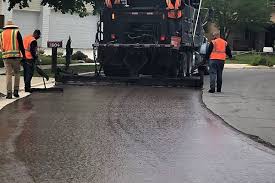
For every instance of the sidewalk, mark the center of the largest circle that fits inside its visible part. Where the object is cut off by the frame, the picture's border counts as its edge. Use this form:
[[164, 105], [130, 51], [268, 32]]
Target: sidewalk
[[2, 69], [36, 82], [247, 102]]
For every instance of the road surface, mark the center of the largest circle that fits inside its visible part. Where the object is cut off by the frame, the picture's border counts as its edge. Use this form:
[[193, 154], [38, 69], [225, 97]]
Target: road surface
[[125, 135]]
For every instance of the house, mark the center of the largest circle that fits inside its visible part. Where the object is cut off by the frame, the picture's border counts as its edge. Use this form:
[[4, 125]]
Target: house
[[54, 26], [248, 40]]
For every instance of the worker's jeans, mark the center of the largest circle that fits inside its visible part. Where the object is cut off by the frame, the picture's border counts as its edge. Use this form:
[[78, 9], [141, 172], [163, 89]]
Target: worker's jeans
[[173, 26], [216, 70], [28, 72], [12, 67]]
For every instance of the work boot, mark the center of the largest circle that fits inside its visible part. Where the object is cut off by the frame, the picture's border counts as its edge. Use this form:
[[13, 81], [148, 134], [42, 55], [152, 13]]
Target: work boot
[[211, 91], [15, 94], [27, 89], [219, 90], [9, 96]]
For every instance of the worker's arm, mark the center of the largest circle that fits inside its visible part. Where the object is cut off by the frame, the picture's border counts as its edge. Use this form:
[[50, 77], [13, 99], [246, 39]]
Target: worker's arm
[[33, 50], [228, 51], [21, 45], [182, 4], [209, 51]]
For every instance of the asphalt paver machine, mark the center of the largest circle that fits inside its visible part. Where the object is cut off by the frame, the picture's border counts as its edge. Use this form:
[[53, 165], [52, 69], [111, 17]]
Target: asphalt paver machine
[[137, 43]]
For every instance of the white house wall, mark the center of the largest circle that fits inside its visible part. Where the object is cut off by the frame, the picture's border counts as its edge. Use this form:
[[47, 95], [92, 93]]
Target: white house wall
[[26, 27], [81, 30]]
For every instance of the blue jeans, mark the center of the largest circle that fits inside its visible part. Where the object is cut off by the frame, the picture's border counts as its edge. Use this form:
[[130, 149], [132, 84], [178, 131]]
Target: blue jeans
[[216, 70], [28, 73]]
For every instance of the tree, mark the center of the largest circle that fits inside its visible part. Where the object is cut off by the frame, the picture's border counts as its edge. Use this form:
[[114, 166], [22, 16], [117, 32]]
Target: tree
[[65, 6], [235, 14]]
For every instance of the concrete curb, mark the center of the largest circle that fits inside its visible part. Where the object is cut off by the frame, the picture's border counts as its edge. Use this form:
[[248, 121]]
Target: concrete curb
[[245, 66], [230, 125], [4, 102]]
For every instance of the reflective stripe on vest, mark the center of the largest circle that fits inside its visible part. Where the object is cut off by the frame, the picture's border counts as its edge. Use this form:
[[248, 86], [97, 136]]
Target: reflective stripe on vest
[[174, 11], [27, 45], [109, 3], [10, 46], [219, 49]]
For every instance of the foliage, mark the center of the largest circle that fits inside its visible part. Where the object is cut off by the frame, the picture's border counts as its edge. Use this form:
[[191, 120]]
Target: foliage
[[60, 54], [254, 59], [68, 6], [79, 56], [41, 52], [88, 60], [235, 14]]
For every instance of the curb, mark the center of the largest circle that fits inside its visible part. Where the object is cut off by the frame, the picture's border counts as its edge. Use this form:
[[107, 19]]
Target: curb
[[252, 137], [246, 66], [4, 102]]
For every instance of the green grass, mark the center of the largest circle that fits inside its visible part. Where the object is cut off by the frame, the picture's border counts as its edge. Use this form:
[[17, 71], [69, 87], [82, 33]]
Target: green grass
[[253, 59], [73, 69], [47, 60]]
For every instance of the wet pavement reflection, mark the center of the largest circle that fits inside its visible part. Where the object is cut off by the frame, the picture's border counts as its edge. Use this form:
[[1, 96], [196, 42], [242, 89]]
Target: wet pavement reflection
[[125, 134]]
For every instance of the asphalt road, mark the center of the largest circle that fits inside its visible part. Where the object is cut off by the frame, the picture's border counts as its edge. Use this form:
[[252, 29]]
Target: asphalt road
[[125, 135]]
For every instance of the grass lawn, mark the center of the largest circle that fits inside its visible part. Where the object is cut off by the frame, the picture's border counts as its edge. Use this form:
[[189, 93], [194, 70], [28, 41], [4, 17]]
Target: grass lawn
[[47, 60], [253, 59], [73, 69]]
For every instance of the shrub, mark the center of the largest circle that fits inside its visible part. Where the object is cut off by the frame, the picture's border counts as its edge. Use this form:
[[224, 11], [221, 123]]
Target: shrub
[[41, 52], [263, 61], [256, 60], [79, 56], [88, 60], [60, 54]]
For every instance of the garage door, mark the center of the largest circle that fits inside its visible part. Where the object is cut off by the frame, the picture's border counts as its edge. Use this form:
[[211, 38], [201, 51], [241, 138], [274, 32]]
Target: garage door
[[27, 21], [81, 30]]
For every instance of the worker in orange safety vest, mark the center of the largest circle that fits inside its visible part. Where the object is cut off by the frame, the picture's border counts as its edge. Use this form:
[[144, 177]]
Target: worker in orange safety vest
[[174, 8], [30, 45], [174, 14], [12, 52], [217, 51], [110, 3]]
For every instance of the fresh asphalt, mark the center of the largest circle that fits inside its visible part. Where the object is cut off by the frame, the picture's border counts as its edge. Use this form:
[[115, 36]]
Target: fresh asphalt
[[106, 134]]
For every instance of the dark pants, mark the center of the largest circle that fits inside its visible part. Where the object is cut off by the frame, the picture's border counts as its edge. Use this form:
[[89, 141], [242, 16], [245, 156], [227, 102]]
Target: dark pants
[[28, 73], [216, 70], [173, 26]]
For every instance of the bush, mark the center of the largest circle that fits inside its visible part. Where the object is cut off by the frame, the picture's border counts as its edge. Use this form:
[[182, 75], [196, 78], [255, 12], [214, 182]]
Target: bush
[[88, 60], [262, 60], [256, 60], [60, 54], [79, 56], [41, 52]]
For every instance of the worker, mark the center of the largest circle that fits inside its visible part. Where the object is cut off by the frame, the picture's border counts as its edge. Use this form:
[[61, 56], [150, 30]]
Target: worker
[[110, 3], [12, 52], [174, 15], [30, 45], [217, 51]]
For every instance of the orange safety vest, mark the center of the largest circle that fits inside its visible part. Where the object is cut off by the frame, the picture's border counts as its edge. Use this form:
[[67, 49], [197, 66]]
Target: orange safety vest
[[173, 10], [219, 49], [9, 44], [109, 3], [27, 45]]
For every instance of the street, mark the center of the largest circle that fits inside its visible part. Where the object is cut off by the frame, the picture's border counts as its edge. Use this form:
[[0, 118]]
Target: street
[[111, 134]]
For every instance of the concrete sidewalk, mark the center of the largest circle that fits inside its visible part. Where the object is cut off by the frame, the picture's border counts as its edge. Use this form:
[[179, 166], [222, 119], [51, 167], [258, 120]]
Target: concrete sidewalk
[[36, 82], [247, 102]]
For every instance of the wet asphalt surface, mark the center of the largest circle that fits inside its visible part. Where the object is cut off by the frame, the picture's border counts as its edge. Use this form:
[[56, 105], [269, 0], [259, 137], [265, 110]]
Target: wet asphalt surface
[[125, 135]]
